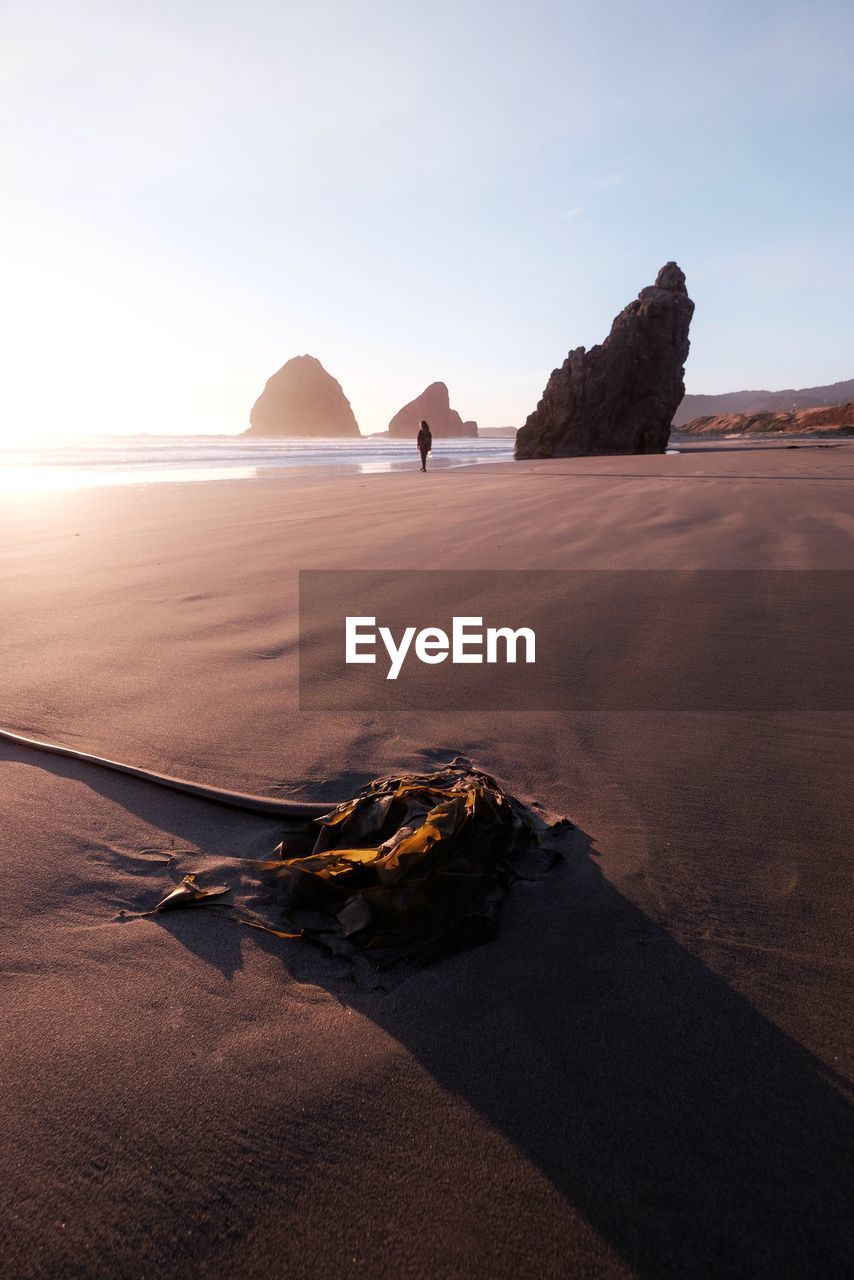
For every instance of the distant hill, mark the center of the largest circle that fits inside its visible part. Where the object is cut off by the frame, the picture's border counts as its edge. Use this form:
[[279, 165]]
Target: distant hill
[[509, 432], [825, 420], [763, 401]]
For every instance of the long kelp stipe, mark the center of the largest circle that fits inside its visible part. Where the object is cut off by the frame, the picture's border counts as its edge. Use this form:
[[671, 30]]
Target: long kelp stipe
[[217, 795]]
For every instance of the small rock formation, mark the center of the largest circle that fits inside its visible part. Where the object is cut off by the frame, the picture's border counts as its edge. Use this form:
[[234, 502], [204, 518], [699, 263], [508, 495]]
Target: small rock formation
[[434, 406], [302, 399], [619, 397], [820, 420]]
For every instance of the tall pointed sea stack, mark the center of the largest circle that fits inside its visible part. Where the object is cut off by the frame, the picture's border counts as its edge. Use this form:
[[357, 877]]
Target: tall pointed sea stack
[[302, 399], [619, 397]]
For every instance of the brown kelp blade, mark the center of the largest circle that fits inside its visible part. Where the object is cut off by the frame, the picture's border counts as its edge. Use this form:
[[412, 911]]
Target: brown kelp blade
[[412, 866], [188, 894]]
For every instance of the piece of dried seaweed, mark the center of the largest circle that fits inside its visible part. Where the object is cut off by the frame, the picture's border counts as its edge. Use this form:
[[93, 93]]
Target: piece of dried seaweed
[[188, 894], [413, 866]]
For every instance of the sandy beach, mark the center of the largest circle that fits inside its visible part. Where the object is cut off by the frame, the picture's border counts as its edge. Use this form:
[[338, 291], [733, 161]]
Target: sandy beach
[[645, 1074]]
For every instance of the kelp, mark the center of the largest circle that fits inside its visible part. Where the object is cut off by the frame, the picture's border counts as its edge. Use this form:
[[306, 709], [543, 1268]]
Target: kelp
[[413, 866], [188, 894]]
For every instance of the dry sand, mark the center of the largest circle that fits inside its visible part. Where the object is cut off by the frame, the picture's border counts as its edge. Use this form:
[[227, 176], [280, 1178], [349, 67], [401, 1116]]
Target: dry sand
[[645, 1074]]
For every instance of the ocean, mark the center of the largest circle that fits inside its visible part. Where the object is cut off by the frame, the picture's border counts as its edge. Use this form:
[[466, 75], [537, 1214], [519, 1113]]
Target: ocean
[[112, 460]]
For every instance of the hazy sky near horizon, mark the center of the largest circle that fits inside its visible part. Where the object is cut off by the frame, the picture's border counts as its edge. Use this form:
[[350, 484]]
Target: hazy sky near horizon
[[194, 192]]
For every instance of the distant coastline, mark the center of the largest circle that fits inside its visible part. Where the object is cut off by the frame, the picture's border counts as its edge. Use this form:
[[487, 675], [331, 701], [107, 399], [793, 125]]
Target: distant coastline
[[745, 402], [816, 421]]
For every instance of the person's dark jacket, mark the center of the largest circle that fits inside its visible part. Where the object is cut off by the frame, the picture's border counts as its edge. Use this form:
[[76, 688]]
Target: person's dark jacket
[[425, 440]]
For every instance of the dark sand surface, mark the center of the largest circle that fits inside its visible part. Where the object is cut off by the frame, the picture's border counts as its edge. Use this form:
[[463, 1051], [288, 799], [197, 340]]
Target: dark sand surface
[[644, 1075]]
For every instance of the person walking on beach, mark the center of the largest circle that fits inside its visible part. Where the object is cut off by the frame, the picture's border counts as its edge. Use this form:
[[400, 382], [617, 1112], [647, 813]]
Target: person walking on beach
[[425, 443]]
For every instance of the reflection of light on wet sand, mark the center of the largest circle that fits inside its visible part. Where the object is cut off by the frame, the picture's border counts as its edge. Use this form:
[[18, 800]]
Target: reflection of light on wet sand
[[50, 479], [47, 479], [375, 468]]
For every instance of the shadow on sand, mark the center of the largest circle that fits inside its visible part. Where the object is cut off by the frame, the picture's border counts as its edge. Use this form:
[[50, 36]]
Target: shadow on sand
[[691, 1132]]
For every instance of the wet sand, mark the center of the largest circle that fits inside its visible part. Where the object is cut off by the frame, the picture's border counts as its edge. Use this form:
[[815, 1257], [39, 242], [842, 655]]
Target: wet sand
[[644, 1075]]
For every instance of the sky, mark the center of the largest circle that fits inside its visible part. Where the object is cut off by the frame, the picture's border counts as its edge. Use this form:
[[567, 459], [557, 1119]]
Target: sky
[[195, 191]]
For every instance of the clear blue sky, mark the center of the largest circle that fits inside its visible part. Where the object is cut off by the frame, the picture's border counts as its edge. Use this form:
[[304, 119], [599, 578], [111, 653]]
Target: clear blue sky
[[194, 192]]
